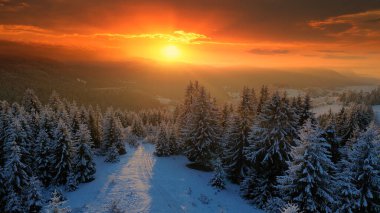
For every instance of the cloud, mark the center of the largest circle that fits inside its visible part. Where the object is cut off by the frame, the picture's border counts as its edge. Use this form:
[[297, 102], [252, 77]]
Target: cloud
[[178, 36], [357, 25], [12, 6], [269, 51], [344, 57]]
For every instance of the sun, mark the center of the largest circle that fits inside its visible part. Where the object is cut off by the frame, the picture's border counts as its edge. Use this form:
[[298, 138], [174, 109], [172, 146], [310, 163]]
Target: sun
[[171, 52]]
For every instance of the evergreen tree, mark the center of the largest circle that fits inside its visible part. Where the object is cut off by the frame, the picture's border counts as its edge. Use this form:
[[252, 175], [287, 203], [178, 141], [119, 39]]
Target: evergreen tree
[[85, 166], [162, 143], [203, 130], [271, 139], [95, 126], [16, 173], [218, 180], [329, 134], [305, 111], [112, 155], [264, 96], [13, 202], [290, 208], [137, 127], [113, 133], [345, 188], [237, 139], [30, 102], [72, 182], [44, 157], [56, 204], [308, 181], [365, 169], [64, 153], [34, 198]]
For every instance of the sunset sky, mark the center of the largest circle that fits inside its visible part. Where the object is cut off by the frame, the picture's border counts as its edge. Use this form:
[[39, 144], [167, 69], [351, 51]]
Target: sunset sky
[[336, 34]]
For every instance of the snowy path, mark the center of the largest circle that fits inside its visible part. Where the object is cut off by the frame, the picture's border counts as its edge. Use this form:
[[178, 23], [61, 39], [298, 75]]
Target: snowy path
[[142, 182], [129, 188]]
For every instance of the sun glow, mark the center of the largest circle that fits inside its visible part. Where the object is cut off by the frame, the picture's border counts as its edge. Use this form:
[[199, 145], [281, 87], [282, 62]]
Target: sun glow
[[171, 52]]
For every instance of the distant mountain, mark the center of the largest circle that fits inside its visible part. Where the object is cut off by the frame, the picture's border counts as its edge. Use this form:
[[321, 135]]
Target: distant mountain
[[137, 84]]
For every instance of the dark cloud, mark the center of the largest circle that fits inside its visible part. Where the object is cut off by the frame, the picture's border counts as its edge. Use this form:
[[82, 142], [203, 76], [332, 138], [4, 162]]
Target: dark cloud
[[269, 51], [244, 19], [344, 57]]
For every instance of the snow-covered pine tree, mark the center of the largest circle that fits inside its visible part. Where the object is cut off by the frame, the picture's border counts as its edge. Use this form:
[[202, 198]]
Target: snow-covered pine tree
[[137, 127], [95, 126], [271, 138], [219, 179], [16, 171], [162, 143], [84, 164], [34, 198], [44, 157], [329, 134], [13, 202], [172, 139], [55, 102], [308, 181], [2, 189], [72, 182], [264, 96], [186, 113], [365, 158], [30, 102], [305, 112], [345, 189], [112, 154], [56, 204], [237, 139], [204, 131], [290, 208], [113, 133], [64, 153]]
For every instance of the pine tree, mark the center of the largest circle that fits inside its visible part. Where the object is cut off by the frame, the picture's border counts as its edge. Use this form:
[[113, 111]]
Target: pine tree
[[34, 198], [30, 102], [162, 143], [345, 188], [204, 131], [84, 164], [137, 127], [305, 112], [56, 204], [72, 182], [44, 157], [113, 133], [112, 155], [237, 138], [308, 181], [95, 126], [2, 189], [290, 208], [329, 134], [264, 96], [64, 153], [13, 202], [16, 173], [271, 139], [218, 180], [365, 158]]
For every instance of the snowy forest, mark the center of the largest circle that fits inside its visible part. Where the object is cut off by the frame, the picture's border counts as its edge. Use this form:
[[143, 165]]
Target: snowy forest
[[282, 156]]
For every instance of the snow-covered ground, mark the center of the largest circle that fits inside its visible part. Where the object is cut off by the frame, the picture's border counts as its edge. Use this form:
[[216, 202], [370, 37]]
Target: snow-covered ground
[[142, 182], [376, 111], [323, 109]]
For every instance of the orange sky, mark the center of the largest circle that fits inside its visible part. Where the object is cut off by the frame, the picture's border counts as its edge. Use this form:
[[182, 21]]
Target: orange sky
[[255, 33]]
